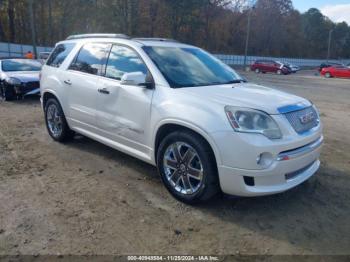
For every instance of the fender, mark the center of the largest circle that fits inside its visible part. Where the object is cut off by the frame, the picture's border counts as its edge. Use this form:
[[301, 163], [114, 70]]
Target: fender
[[191, 126]]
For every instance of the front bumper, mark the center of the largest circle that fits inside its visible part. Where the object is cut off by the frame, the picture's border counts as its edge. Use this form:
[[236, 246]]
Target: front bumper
[[30, 88], [290, 169]]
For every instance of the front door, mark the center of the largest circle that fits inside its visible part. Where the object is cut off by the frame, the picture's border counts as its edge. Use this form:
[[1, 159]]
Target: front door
[[123, 110]]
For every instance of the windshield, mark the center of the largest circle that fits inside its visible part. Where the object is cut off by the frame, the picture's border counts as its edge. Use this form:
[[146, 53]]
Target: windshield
[[20, 65], [188, 67]]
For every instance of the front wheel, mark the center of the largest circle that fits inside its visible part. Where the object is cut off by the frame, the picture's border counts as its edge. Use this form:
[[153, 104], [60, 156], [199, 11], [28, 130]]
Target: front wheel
[[187, 167], [56, 121], [328, 75], [257, 70], [279, 72], [7, 93]]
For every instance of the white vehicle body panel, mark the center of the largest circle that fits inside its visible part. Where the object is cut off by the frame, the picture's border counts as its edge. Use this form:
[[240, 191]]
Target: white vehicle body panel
[[129, 117]]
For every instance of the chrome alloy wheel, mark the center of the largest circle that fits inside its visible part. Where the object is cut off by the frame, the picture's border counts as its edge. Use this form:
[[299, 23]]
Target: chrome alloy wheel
[[54, 120], [183, 168]]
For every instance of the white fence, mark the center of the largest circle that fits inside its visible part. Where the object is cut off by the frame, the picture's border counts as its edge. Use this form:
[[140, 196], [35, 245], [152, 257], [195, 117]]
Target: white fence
[[16, 50], [239, 60]]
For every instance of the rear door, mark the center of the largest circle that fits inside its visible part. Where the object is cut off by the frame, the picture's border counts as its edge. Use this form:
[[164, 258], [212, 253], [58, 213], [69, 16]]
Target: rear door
[[263, 66], [81, 80], [270, 66]]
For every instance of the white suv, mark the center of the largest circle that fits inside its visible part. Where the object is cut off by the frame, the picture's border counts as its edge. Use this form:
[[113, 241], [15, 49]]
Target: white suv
[[177, 107]]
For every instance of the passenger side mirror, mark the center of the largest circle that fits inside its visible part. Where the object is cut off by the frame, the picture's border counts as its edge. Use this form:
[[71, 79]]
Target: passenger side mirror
[[137, 79]]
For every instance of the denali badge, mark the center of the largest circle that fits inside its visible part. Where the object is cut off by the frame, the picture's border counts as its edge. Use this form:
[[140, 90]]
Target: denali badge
[[307, 118]]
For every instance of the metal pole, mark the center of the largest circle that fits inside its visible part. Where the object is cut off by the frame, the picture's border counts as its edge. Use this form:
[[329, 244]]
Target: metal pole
[[247, 38], [329, 44], [31, 15]]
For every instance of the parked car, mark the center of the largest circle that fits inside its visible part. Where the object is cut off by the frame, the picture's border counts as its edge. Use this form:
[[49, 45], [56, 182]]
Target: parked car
[[270, 66], [328, 64], [19, 77], [292, 68], [181, 109], [43, 56], [336, 71]]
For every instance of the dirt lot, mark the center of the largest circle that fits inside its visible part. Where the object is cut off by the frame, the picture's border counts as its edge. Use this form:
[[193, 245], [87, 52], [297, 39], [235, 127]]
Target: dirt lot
[[84, 198]]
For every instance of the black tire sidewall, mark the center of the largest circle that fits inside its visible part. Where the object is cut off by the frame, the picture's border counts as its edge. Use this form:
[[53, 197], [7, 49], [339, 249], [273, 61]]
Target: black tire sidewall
[[7, 93], [66, 132], [210, 178]]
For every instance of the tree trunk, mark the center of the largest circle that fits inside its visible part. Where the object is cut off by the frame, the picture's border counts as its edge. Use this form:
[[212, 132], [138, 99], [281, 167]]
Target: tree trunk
[[11, 16], [50, 22]]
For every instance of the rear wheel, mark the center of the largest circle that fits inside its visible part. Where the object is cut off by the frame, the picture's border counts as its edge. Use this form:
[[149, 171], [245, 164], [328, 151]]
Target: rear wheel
[[257, 70], [56, 121], [279, 72], [328, 75], [187, 167]]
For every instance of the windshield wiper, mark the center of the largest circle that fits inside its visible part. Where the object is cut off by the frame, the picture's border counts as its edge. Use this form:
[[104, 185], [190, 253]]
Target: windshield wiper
[[236, 81]]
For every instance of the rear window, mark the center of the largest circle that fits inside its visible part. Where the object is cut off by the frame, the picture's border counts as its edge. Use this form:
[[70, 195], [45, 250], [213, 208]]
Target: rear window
[[60, 54], [91, 58]]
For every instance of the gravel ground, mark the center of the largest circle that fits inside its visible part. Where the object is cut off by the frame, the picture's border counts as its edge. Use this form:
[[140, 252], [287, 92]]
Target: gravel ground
[[85, 198]]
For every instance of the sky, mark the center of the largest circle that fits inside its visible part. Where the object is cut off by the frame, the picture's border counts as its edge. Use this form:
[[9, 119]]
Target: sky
[[336, 10]]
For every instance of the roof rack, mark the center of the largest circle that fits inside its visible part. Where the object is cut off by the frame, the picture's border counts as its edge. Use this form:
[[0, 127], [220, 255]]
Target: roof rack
[[155, 39], [82, 36]]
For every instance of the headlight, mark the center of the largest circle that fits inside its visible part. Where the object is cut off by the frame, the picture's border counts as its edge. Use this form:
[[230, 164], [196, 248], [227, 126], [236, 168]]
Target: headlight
[[252, 121], [14, 81]]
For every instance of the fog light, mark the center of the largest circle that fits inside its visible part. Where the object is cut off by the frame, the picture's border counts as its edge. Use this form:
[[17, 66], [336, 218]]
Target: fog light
[[264, 159]]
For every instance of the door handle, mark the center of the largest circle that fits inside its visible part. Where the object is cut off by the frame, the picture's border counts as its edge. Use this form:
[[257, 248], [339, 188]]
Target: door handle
[[67, 82], [103, 91]]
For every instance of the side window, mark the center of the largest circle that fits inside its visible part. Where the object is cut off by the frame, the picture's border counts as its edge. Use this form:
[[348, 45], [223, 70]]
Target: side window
[[59, 54], [91, 58], [123, 60]]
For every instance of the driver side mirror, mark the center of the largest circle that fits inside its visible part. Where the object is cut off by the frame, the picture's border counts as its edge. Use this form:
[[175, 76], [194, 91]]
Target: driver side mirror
[[137, 79]]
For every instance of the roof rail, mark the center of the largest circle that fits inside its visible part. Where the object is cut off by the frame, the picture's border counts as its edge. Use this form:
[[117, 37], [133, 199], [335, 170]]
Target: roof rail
[[82, 36], [155, 39]]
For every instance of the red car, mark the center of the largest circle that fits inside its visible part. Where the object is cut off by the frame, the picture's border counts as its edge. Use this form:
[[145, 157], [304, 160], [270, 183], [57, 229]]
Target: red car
[[270, 66], [336, 71]]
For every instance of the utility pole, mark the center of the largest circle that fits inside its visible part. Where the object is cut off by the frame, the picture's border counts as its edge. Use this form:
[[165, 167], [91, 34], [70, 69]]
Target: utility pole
[[247, 37], [31, 16], [329, 44]]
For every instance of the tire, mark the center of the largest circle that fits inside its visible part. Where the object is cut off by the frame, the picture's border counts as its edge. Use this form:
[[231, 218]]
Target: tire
[[56, 122], [257, 70], [194, 178], [327, 75], [8, 93], [279, 72]]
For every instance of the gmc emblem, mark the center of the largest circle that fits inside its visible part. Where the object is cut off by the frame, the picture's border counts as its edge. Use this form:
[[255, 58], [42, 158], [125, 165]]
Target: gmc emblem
[[307, 118]]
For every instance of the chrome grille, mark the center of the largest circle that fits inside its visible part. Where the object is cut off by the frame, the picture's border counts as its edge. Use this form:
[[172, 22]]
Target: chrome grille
[[295, 118]]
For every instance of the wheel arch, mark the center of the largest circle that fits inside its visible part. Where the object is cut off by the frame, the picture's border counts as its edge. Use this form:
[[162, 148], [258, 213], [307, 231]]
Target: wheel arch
[[167, 127], [328, 73], [47, 94]]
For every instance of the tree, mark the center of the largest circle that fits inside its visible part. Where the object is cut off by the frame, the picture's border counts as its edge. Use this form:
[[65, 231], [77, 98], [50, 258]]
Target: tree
[[277, 29]]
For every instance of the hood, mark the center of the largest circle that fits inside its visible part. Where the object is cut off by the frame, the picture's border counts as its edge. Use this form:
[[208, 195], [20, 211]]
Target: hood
[[23, 76], [246, 95]]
